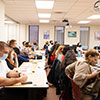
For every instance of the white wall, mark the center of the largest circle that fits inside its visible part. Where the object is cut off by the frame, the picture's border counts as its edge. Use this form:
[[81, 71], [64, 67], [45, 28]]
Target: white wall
[[72, 40], [42, 28], [92, 41], [20, 33], [17, 32], [2, 14]]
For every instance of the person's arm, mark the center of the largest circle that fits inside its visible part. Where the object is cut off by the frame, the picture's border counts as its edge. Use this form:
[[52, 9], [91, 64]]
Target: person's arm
[[93, 74], [12, 81], [16, 60], [23, 58], [70, 69]]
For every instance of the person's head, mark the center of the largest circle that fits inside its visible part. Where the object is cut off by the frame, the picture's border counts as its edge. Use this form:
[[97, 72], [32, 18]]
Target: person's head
[[59, 50], [34, 42], [56, 42], [66, 48], [91, 56], [51, 42], [27, 44], [69, 58], [13, 43], [4, 50], [79, 44], [24, 42], [47, 43]]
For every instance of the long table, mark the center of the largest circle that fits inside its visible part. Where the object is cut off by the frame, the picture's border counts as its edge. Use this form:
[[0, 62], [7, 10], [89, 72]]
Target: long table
[[37, 75]]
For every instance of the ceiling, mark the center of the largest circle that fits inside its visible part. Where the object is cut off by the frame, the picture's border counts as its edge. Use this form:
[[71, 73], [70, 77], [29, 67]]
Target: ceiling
[[25, 12]]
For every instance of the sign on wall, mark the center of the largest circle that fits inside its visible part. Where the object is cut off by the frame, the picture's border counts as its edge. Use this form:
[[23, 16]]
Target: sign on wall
[[97, 35], [72, 33], [46, 34]]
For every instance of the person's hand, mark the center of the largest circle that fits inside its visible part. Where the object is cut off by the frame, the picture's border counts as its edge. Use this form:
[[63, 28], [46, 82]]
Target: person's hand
[[23, 78], [13, 74], [30, 56]]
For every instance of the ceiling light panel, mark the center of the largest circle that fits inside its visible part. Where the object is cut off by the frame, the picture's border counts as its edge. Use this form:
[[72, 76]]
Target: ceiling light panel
[[44, 4], [83, 22], [94, 17], [44, 15], [44, 21]]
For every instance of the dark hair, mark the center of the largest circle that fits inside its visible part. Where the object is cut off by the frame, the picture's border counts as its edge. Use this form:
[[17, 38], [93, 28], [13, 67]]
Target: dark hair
[[12, 42], [2, 45], [55, 42], [69, 58], [17, 51], [78, 44], [27, 44], [23, 42], [66, 48]]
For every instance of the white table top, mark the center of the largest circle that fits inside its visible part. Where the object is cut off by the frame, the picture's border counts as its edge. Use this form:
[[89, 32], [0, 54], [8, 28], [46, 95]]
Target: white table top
[[36, 74]]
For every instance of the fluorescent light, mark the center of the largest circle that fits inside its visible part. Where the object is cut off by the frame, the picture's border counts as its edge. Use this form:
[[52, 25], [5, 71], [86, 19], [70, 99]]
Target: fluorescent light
[[70, 26], [44, 21], [44, 15], [94, 17], [44, 4], [8, 22], [83, 22]]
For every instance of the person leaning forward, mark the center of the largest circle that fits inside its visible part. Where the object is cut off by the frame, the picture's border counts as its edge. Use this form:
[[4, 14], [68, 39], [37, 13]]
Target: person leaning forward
[[85, 76], [7, 76]]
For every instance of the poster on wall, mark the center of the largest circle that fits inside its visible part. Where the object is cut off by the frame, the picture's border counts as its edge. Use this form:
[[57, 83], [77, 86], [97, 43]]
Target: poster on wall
[[97, 35], [72, 34], [46, 34]]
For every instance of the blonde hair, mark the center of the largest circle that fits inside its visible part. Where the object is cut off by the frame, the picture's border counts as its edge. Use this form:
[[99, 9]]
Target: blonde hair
[[59, 50]]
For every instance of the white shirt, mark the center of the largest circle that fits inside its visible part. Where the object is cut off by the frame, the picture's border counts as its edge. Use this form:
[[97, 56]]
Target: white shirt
[[49, 47], [3, 68]]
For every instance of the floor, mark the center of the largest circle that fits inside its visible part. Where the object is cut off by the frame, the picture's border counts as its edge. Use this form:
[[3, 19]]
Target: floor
[[51, 92]]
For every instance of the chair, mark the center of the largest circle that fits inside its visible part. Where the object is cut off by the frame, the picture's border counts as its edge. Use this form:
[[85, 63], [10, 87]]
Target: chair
[[75, 90]]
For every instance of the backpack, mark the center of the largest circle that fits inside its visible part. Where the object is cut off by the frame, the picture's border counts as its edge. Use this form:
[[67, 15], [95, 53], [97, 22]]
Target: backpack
[[64, 81]]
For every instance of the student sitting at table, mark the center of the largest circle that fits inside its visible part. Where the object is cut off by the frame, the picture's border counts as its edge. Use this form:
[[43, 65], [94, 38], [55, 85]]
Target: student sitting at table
[[66, 48], [12, 60], [35, 46], [84, 76], [8, 77], [22, 58], [59, 53]]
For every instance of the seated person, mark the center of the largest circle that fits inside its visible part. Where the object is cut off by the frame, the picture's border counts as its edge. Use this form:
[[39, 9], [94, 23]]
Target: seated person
[[59, 53], [12, 60], [79, 49], [22, 58], [35, 46], [7, 76], [66, 48], [46, 48], [27, 49], [84, 76]]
